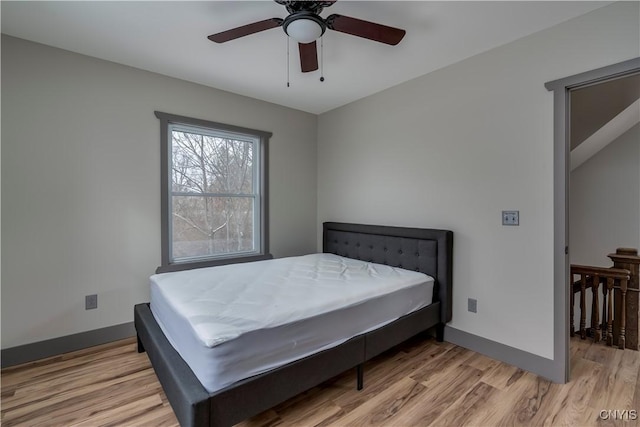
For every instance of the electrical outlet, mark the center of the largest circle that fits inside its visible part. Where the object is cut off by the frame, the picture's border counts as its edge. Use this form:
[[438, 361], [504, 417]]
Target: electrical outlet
[[472, 305], [91, 302], [510, 217]]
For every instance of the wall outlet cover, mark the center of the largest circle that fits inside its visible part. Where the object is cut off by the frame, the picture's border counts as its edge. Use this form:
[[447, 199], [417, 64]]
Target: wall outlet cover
[[472, 305], [91, 302]]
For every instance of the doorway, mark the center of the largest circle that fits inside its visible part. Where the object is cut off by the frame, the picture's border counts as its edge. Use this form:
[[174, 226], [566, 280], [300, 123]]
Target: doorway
[[604, 189], [563, 89]]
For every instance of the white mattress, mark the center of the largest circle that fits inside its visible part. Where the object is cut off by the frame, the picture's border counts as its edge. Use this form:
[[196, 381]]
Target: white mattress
[[235, 321]]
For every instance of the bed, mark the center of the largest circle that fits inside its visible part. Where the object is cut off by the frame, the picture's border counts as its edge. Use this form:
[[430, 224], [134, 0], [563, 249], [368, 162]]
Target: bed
[[424, 250]]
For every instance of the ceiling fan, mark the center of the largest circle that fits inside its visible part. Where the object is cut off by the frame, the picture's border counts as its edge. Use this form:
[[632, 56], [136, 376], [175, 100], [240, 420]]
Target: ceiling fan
[[305, 25]]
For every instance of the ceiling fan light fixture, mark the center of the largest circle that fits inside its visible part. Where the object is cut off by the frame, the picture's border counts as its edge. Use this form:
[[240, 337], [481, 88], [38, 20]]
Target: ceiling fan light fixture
[[304, 27]]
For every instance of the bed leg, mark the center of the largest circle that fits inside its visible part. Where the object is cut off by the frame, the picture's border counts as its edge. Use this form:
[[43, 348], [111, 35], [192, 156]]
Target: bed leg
[[440, 332], [360, 376], [140, 346]]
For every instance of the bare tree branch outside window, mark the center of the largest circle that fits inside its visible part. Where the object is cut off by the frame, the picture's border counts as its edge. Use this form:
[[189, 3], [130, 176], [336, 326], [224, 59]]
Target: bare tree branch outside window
[[213, 194]]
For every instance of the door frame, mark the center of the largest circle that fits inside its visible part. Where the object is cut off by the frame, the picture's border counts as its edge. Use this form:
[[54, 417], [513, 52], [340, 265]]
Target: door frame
[[561, 167]]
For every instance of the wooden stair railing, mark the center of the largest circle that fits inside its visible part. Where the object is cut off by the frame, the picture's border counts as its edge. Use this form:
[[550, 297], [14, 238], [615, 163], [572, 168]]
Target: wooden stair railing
[[628, 259], [611, 278]]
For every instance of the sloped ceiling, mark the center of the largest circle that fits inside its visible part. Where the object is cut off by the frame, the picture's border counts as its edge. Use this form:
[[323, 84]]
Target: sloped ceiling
[[169, 37], [608, 133], [595, 106]]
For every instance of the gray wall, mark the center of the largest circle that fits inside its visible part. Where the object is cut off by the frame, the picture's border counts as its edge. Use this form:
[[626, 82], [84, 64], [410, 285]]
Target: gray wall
[[455, 147], [604, 206], [81, 184], [451, 149]]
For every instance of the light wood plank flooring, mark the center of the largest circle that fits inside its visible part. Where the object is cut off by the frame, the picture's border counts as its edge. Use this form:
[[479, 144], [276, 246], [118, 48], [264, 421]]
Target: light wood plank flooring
[[420, 383]]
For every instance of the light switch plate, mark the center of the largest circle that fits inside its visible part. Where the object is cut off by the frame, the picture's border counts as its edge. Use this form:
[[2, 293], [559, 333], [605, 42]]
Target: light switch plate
[[510, 217]]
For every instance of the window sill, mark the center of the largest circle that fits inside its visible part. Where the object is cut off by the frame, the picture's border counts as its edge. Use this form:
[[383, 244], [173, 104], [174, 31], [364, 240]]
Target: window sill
[[210, 263]]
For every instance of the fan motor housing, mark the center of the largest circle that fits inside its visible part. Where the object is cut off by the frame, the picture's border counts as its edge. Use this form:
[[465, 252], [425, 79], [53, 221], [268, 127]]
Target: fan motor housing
[[294, 6]]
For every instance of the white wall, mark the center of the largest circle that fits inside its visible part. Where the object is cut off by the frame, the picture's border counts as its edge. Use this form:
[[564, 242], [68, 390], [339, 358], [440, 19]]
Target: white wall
[[604, 206], [81, 184], [454, 148]]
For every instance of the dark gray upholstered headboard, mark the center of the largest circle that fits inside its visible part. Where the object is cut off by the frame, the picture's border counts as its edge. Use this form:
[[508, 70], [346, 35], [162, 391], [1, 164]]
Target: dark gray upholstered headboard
[[426, 250]]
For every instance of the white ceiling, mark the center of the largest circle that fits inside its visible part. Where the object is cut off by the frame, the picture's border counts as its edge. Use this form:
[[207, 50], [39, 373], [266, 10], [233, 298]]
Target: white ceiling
[[170, 38], [614, 129]]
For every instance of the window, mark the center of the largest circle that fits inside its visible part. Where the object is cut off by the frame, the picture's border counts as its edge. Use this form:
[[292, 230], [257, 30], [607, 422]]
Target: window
[[214, 201]]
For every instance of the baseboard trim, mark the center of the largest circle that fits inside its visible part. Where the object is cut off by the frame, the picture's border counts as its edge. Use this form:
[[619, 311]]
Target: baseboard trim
[[56, 346], [529, 362]]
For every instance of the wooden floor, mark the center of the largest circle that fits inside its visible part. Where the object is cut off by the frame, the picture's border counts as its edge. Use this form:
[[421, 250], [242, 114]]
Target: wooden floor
[[421, 383]]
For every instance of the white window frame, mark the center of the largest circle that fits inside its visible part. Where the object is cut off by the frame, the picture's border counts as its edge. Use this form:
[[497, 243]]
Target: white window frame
[[171, 122]]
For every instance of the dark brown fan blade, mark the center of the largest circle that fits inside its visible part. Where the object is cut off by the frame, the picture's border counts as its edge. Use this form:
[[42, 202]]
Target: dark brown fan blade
[[308, 56], [245, 30], [365, 29]]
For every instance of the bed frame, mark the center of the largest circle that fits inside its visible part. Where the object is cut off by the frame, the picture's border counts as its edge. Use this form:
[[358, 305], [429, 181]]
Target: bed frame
[[425, 250]]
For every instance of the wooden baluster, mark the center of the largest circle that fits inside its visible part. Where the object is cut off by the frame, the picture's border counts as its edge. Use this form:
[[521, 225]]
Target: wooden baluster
[[604, 310], [609, 327], [610, 311], [623, 314], [595, 321], [628, 259], [583, 308], [572, 297]]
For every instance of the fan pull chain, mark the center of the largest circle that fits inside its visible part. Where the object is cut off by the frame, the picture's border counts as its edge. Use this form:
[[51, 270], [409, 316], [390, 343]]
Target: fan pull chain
[[321, 59], [288, 61]]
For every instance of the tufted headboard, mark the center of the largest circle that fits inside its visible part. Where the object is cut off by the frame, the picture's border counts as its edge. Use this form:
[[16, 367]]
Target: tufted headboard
[[426, 250]]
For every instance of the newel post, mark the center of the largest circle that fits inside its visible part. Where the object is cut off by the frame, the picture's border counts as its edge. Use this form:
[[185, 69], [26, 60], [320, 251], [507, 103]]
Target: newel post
[[628, 259]]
